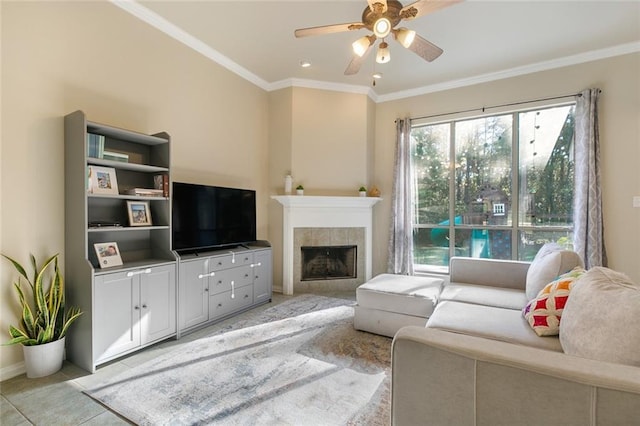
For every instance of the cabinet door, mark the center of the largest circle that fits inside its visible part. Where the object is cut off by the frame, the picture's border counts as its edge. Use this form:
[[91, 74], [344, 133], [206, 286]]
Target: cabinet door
[[194, 293], [157, 303], [262, 276], [116, 315]]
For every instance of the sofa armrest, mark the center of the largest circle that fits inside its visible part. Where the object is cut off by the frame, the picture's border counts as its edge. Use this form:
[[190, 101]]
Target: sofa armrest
[[443, 378], [489, 272]]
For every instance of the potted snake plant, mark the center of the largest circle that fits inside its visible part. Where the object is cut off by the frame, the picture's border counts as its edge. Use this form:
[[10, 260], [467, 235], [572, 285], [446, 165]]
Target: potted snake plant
[[45, 319]]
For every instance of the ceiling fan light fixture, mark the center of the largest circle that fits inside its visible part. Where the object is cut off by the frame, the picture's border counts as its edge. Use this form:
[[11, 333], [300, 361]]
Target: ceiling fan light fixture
[[382, 57], [361, 45], [305, 64], [405, 36], [382, 27]]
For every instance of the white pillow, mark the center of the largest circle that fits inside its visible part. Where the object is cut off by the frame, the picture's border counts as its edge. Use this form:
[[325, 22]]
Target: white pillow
[[601, 319], [550, 262]]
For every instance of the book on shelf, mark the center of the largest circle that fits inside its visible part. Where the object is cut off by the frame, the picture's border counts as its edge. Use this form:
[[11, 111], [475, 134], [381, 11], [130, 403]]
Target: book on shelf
[[95, 145], [161, 181], [115, 156], [146, 192]]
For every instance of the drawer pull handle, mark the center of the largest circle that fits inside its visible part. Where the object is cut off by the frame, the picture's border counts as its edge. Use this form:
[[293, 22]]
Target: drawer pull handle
[[201, 276], [219, 305], [144, 306], [136, 307], [142, 271], [233, 289], [246, 296], [253, 265]]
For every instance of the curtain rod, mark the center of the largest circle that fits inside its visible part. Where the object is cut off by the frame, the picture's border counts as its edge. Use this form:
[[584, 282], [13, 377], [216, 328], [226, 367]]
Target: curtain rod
[[483, 109]]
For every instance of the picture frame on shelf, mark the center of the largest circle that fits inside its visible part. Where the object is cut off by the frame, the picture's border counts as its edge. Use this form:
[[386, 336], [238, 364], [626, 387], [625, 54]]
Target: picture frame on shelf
[[139, 213], [102, 180], [108, 254]]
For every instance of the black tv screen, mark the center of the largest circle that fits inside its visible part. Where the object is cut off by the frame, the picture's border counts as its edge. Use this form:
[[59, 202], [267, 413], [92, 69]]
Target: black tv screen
[[205, 217]]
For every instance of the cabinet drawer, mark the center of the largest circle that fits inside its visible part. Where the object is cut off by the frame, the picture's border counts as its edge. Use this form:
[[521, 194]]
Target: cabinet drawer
[[227, 279], [230, 301], [231, 260]]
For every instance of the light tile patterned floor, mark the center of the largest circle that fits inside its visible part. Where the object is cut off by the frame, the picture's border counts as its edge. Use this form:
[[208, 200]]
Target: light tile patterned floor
[[58, 399]]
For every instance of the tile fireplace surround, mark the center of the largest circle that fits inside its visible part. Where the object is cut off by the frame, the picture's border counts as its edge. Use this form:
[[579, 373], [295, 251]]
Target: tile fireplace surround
[[314, 214]]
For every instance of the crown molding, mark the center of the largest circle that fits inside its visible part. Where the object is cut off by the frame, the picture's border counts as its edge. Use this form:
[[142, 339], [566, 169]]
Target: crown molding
[[157, 21], [323, 85], [184, 37], [580, 58]]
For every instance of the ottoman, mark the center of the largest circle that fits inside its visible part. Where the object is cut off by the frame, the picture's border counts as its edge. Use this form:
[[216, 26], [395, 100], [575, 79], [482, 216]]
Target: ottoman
[[388, 302]]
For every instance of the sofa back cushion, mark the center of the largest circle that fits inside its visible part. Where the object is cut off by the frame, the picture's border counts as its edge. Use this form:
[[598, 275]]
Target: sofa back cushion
[[601, 319], [550, 262]]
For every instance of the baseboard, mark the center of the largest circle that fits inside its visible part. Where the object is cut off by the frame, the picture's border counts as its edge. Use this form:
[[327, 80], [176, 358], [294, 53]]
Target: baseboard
[[12, 371]]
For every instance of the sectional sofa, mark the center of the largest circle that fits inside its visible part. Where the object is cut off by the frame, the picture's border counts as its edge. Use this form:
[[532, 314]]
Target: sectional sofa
[[493, 350]]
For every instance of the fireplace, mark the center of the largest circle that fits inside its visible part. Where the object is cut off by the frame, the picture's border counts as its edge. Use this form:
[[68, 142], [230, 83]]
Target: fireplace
[[325, 221], [328, 262]]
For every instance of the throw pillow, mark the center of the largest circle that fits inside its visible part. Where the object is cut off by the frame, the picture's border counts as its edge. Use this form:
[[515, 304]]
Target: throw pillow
[[544, 312], [550, 262], [602, 318]]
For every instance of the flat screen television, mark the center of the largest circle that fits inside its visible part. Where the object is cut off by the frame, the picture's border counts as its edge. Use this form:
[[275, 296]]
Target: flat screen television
[[209, 217]]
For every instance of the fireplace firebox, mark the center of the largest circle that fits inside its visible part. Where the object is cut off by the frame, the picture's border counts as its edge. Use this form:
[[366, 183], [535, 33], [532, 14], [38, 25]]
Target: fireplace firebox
[[328, 262]]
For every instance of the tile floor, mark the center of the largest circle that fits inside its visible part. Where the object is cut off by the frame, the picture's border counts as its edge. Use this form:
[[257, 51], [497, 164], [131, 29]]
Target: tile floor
[[58, 399]]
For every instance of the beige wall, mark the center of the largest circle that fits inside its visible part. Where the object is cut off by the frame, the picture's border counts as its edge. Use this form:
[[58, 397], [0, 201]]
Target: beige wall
[[59, 57], [619, 134], [329, 141]]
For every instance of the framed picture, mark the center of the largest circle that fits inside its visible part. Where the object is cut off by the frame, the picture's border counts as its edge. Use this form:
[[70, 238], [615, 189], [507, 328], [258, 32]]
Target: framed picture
[[102, 180], [108, 254], [139, 213]]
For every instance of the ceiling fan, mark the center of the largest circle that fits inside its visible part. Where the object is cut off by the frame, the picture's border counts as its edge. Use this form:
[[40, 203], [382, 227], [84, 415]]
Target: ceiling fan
[[381, 17]]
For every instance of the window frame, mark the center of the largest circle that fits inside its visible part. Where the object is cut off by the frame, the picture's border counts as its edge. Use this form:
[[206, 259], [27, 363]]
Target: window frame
[[516, 228]]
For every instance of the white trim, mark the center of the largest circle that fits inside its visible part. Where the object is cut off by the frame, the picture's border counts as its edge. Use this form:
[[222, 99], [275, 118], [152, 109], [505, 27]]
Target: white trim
[[11, 371], [198, 45], [322, 85], [580, 58], [184, 37]]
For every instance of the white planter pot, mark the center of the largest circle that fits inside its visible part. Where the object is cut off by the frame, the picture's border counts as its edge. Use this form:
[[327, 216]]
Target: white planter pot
[[300, 191], [363, 193], [43, 360]]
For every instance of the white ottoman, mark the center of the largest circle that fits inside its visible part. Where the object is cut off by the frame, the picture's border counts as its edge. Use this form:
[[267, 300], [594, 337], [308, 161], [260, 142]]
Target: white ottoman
[[388, 302]]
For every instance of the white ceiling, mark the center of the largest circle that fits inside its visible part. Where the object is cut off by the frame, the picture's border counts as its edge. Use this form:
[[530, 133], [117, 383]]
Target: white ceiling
[[482, 40]]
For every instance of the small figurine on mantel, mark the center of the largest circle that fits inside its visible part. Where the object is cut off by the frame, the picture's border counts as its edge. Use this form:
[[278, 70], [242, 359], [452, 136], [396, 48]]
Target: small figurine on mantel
[[374, 191]]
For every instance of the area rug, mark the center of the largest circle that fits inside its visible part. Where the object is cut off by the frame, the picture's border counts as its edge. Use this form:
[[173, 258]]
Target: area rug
[[296, 363]]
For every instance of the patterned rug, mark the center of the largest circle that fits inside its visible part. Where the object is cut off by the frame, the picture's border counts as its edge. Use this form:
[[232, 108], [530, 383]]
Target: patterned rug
[[296, 363]]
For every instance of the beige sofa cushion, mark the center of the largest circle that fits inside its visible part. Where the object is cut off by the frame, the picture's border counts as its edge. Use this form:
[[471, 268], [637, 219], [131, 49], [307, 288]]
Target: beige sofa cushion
[[409, 295], [601, 319], [550, 262], [508, 298], [506, 325]]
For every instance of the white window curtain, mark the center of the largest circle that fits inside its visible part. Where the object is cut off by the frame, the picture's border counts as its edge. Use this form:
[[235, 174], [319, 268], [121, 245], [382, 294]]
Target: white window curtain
[[401, 236], [588, 238]]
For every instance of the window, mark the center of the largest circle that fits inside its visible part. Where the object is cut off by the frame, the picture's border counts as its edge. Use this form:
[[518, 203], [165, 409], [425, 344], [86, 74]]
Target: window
[[495, 187]]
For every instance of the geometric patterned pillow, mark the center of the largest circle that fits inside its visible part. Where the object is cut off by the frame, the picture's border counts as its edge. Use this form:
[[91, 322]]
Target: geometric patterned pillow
[[544, 312]]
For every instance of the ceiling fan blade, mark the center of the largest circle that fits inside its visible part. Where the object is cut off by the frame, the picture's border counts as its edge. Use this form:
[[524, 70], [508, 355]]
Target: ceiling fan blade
[[424, 7], [373, 2], [425, 49], [328, 29], [357, 61]]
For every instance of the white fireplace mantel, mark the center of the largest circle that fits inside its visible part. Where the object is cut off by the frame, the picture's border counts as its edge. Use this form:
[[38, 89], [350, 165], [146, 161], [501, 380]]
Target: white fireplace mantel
[[308, 211]]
